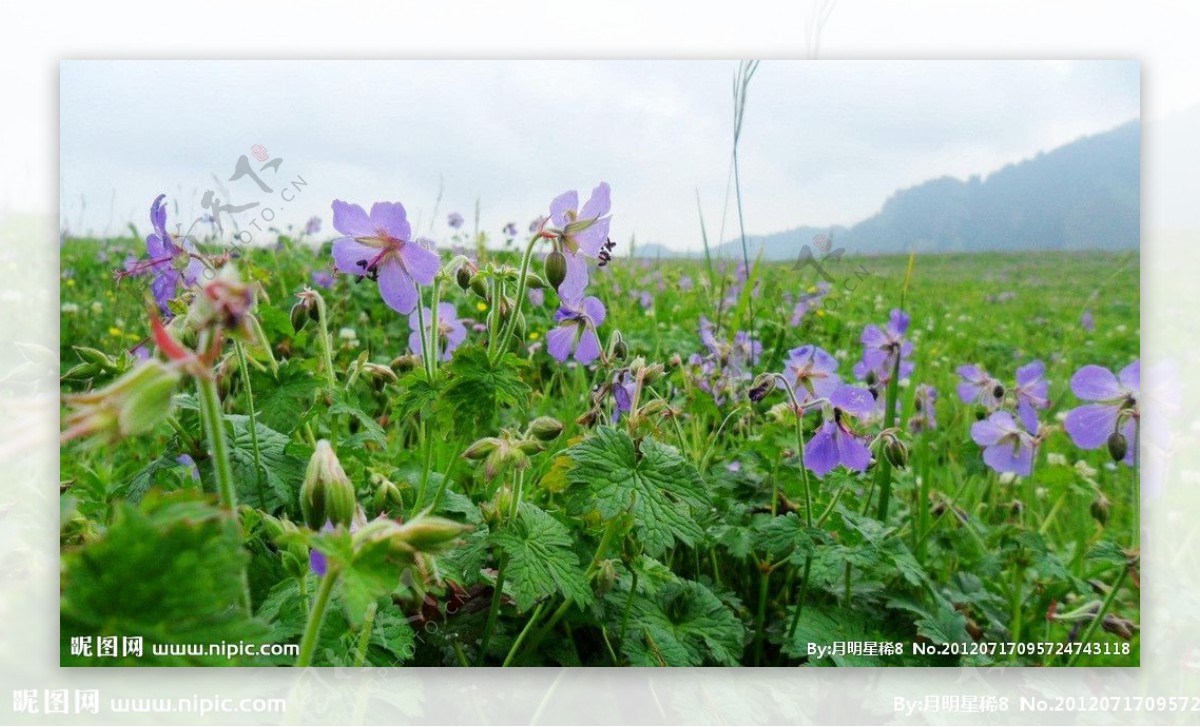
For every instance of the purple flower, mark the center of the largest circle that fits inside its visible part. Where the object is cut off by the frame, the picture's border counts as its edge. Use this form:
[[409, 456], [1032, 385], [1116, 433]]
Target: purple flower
[[645, 300], [924, 416], [835, 443], [809, 302], [883, 347], [1007, 447], [685, 283], [811, 373], [1114, 411], [622, 391], [1031, 393], [537, 297], [1087, 322], [187, 461], [580, 234], [378, 246], [510, 230], [455, 220], [170, 263], [979, 387], [576, 331], [317, 562], [322, 278], [451, 331], [313, 226]]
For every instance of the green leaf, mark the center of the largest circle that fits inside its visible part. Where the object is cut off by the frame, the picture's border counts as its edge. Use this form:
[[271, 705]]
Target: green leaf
[[478, 390], [417, 396], [283, 464], [170, 571], [822, 626], [540, 559], [663, 491], [369, 429], [786, 536], [283, 402], [681, 624]]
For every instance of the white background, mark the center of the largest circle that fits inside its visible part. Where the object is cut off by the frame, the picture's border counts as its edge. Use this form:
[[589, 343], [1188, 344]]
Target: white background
[[33, 38]]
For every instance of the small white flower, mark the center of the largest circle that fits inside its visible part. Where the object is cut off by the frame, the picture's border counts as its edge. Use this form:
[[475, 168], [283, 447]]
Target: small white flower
[[69, 308], [347, 334], [1056, 459]]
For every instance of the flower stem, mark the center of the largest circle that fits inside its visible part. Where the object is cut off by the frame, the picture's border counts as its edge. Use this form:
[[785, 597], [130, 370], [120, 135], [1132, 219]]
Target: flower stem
[[512, 652], [258, 483], [760, 617], [493, 611], [316, 616], [364, 636], [889, 421], [1108, 601], [327, 356], [518, 302], [218, 448]]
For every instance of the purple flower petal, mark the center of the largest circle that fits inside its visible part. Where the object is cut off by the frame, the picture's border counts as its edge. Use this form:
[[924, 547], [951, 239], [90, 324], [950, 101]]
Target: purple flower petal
[[1029, 417], [588, 348], [821, 452], [576, 280], [854, 453], [347, 252], [997, 426], [391, 218], [1130, 430], [598, 204], [853, 400], [1012, 457], [1131, 377], [1095, 383], [594, 310], [593, 237], [561, 205], [1090, 425], [1030, 372], [351, 219], [397, 288], [559, 341], [422, 264], [317, 562]]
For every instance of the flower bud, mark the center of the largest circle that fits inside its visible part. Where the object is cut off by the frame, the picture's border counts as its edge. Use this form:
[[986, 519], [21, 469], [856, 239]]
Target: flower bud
[[535, 281], [896, 452], [1117, 446], [617, 348], [299, 316], [387, 495], [479, 286], [1100, 506], [764, 384], [327, 494], [556, 268], [482, 448], [429, 533], [463, 278], [546, 428], [1121, 627], [133, 404]]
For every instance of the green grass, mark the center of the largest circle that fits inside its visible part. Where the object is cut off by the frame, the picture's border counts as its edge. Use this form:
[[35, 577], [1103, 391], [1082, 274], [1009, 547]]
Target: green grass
[[677, 536]]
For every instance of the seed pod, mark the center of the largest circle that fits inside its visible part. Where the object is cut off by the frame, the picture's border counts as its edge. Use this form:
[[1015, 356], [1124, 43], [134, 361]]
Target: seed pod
[[482, 448], [546, 429], [1117, 446], [327, 494], [556, 268], [428, 533], [479, 285]]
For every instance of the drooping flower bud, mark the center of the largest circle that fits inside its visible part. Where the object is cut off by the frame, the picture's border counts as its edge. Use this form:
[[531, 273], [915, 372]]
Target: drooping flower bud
[[327, 494], [763, 384], [299, 316], [1117, 446], [481, 448], [556, 268], [896, 452], [546, 428], [463, 277], [133, 404], [1100, 506], [429, 533], [535, 281], [618, 350], [479, 285]]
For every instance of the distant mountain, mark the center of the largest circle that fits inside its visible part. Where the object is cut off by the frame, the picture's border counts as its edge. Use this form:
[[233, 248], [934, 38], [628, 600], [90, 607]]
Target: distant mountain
[[1081, 196]]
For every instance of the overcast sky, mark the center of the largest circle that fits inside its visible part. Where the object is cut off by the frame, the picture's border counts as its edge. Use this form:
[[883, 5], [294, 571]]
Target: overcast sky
[[824, 142]]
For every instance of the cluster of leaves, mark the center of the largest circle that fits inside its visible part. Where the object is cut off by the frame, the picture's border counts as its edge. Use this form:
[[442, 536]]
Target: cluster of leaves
[[677, 537]]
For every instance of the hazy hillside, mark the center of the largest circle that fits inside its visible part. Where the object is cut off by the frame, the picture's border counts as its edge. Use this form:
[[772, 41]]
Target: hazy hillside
[[1084, 195]]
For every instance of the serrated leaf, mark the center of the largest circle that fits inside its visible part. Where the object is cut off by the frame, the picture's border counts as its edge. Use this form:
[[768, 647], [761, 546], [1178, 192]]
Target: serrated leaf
[[681, 624], [369, 429], [540, 559], [822, 626], [169, 571], [283, 401], [282, 466], [663, 491], [786, 536], [478, 390]]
